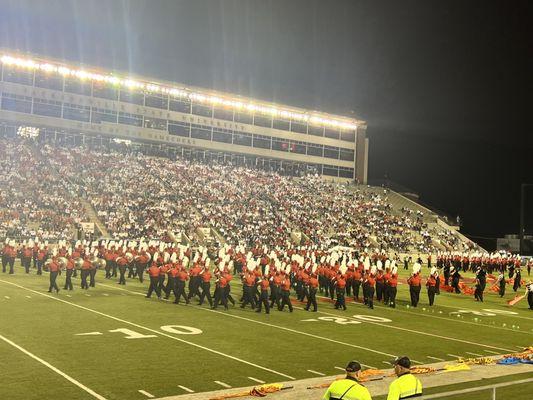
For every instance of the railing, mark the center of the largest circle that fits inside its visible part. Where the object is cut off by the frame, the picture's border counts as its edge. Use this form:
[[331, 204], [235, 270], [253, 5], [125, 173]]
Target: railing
[[477, 389]]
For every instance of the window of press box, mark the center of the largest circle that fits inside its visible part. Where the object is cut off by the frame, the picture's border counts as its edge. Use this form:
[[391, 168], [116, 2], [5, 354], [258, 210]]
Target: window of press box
[[222, 136], [47, 108], [15, 75], [330, 170], [200, 132], [260, 120], [223, 113], [155, 123], [243, 118], [13, 102], [132, 97], [332, 133], [105, 91], [348, 136], [242, 139], [331, 152], [262, 142], [130, 119], [182, 129], [315, 150], [156, 101], [76, 112], [298, 127], [346, 172], [73, 85], [182, 106], [347, 155], [281, 124], [315, 130], [298, 147], [99, 115], [48, 81], [280, 144], [204, 111]]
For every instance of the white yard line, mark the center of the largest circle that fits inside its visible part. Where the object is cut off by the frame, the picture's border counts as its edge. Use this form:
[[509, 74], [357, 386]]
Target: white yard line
[[436, 358], [341, 369], [56, 370], [419, 332], [474, 354], [89, 334], [153, 331], [149, 395], [316, 372], [387, 362], [256, 380], [368, 366], [223, 384], [491, 352], [7, 297], [28, 297], [186, 389], [454, 355]]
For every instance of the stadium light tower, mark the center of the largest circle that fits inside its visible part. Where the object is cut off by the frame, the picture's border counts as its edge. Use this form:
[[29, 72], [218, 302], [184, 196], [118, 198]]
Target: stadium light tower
[[523, 214]]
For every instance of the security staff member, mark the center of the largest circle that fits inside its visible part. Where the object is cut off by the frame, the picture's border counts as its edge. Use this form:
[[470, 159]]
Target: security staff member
[[406, 386], [348, 388]]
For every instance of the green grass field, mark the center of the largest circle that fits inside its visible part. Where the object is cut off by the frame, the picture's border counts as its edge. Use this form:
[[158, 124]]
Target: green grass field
[[164, 349]]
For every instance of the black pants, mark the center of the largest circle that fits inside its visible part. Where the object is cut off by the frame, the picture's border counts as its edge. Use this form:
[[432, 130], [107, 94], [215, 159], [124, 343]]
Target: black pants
[[275, 294], [530, 300], [263, 300], [370, 296], [206, 293], [161, 282], [331, 289], [26, 263], [392, 296], [180, 292], [501, 292], [53, 283], [114, 268], [122, 273], [478, 293], [140, 272], [285, 300], [356, 286], [386, 294], [379, 291], [455, 285], [11, 262], [431, 294], [247, 297], [154, 286], [39, 267], [68, 280], [221, 296], [92, 275], [194, 287], [84, 274], [171, 286], [311, 299], [414, 291], [341, 301], [349, 283], [108, 269], [4, 263]]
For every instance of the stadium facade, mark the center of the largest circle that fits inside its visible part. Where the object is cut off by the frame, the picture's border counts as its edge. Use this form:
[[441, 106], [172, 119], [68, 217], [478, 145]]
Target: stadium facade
[[75, 104]]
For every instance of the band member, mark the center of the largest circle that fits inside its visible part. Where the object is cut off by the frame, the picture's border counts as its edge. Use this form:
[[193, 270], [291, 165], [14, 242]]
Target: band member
[[264, 284], [54, 269], [153, 271], [205, 276], [285, 292], [85, 268], [501, 284], [431, 285], [393, 283], [312, 288], [414, 285], [340, 284], [69, 270]]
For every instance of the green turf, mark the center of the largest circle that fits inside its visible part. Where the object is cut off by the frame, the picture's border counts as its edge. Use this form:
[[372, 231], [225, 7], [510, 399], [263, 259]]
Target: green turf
[[282, 343]]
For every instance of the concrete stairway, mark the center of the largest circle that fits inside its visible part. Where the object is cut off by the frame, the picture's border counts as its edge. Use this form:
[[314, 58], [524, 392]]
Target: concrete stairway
[[93, 217]]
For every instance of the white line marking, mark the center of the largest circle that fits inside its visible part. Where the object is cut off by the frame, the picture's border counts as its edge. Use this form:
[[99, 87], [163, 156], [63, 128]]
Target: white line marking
[[87, 294], [89, 334], [520, 347], [418, 332], [415, 362], [491, 352], [223, 384], [154, 331], [149, 395], [7, 297], [454, 355], [28, 297], [68, 295], [474, 354], [57, 371], [342, 369], [316, 372], [186, 389], [436, 358], [256, 380], [368, 366], [105, 294]]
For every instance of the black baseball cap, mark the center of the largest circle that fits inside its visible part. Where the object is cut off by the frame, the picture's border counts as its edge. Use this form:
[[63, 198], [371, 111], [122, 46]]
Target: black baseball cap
[[402, 362], [353, 366]]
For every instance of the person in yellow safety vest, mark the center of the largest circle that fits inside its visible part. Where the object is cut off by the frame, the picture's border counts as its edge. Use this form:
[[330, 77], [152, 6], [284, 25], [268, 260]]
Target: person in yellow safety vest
[[348, 388], [406, 386]]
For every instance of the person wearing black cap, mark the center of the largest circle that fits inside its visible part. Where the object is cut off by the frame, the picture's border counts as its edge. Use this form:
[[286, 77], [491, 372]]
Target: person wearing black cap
[[348, 388], [406, 386]]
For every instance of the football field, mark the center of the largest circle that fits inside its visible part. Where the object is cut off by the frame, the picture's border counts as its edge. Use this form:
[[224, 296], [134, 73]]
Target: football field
[[110, 342]]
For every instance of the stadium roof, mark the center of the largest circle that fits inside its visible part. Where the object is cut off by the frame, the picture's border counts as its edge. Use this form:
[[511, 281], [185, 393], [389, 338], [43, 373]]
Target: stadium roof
[[177, 90]]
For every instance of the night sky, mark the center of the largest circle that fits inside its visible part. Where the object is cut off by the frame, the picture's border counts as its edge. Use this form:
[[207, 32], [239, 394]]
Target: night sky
[[445, 87]]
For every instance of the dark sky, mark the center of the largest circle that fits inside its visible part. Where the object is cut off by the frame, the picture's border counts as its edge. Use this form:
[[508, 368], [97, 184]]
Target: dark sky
[[446, 87]]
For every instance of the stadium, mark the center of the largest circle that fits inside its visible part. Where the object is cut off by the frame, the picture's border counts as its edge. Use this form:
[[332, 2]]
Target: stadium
[[161, 240]]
